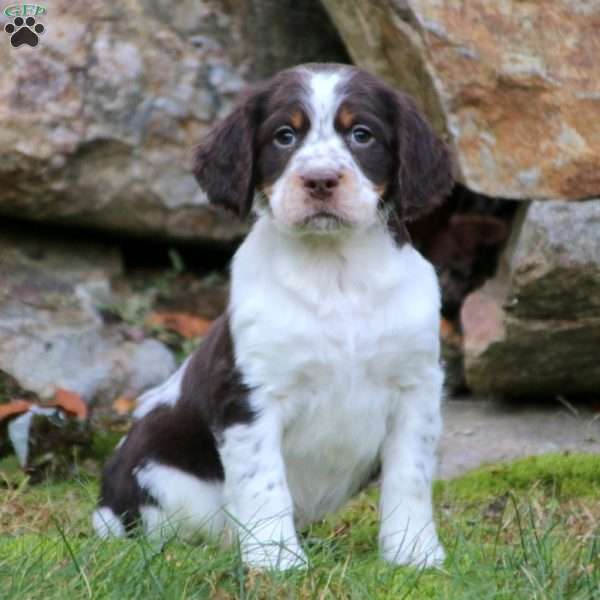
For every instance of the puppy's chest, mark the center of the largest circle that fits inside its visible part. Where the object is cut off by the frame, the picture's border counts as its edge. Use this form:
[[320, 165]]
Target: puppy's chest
[[327, 353], [331, 446], [335, 403], [335, 421], [331, 374]]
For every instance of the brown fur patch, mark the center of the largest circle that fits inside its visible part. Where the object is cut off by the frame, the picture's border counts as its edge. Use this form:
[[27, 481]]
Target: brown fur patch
[[346, 117], [297, 120], [183, 436]]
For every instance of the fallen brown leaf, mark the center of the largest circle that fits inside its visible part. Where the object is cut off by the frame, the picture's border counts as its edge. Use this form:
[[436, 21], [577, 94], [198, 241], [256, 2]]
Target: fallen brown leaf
[[70, 402], [13, 408], [123, 405], [185, 324], [449, 333]]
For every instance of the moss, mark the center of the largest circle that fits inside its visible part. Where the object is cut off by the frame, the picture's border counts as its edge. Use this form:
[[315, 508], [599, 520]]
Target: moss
[[539, 547], [565, 475]]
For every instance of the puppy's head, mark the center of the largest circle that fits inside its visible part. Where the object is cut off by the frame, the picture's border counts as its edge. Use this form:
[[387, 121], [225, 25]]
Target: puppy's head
[[328, 147]]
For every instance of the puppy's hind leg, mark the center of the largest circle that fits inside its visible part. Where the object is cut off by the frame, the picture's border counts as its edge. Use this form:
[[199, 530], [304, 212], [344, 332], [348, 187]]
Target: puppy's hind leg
[[120, 499], [183, 504], [106, 524]]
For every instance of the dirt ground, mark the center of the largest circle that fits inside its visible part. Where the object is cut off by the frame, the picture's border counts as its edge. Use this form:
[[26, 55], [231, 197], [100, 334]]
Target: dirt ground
[[482, 431]]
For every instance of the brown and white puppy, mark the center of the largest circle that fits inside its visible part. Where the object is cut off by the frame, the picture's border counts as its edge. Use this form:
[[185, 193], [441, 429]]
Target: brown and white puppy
[[325, 367]]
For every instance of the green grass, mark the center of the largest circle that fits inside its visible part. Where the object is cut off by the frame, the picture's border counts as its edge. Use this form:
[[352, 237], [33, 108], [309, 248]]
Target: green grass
[[528, 530]]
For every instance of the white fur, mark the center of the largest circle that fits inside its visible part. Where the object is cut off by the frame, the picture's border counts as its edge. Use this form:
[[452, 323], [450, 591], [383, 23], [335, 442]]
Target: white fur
[[166, 393], [258, 500], [107, 524], [407, 534], [188, 506], [339, 338]]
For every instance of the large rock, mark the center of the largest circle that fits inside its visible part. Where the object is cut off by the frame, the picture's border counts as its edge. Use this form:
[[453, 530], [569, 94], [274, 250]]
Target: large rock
[[98, 121], [535, 328], [52, 334], [515, 84]]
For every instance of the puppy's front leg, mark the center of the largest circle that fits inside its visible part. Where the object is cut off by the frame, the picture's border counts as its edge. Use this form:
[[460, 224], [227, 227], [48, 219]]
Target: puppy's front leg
[[407, 534], [256, 493]]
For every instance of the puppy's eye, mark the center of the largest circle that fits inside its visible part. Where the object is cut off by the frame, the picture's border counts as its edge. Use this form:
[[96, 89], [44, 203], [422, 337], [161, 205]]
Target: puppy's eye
[[361, 135], [285, 136]]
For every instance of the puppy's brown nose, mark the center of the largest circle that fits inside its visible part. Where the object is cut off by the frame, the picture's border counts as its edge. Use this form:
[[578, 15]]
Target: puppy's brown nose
[[320, 183]]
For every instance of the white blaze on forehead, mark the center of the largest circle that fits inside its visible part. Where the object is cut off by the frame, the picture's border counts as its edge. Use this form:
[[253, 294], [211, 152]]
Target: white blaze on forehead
[[323, 147], [324, 100]]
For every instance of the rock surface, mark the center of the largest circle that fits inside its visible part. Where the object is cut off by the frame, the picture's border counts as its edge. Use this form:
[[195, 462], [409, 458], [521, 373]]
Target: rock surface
[[515, 84], [51, 332], [98, 121], [535, 328]]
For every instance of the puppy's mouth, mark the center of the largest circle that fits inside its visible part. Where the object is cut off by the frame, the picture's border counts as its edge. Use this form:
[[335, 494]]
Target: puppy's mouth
[[324, 221]]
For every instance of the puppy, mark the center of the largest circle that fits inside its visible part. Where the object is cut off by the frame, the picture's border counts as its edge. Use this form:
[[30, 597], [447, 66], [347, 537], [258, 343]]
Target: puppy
[[325, 368]]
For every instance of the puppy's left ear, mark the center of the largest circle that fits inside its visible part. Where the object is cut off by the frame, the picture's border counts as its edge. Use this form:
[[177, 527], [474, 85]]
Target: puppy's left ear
[[224, 160], [424, 175]]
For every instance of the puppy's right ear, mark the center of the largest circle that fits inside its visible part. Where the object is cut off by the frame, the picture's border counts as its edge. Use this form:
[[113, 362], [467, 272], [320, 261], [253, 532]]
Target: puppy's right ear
[[224, 160]]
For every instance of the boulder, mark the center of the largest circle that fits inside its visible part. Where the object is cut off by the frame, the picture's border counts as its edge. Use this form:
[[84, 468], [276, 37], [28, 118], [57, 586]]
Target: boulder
[[515, 85], [52, 334], [534, 329], [97, 122]]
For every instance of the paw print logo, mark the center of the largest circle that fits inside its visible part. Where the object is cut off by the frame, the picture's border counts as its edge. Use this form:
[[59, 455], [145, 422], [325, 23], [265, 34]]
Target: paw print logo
[[24, 31]]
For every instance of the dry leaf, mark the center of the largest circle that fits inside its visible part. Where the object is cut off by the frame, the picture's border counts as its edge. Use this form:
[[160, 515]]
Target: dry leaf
[[13, 408], [185, 324], [70, 402], [450, 333], [123, 405]]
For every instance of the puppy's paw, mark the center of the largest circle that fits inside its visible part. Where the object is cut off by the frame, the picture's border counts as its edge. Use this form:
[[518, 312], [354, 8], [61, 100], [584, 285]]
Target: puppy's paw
[[419, 552], [275, 557]]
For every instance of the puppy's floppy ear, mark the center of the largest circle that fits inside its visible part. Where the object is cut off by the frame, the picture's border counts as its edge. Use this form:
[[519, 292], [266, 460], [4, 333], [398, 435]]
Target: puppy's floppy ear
[[424, 175], [224, 160]]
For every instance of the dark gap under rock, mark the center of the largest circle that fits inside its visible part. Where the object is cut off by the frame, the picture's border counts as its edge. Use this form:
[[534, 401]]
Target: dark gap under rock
[[200, 258], [463, 239], [182, 277]]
